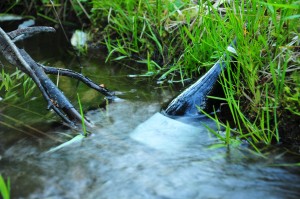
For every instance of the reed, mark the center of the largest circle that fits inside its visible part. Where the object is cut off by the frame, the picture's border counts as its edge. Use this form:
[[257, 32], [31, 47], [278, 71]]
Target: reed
[[85, 133]]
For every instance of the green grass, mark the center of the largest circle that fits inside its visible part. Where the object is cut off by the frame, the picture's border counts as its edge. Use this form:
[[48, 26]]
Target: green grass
[[179, 39], [4, 188], [262, 64], [85, 133], [144, 30], [72, 13]]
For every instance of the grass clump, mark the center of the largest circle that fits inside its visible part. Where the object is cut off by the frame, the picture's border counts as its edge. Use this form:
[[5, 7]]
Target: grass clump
[[50, 11], [11, 85], [175, 40], [180, 39], [259, 91], [164, 35]]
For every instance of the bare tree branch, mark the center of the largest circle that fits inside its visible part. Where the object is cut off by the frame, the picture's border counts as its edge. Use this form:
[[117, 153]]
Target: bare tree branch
[[55, 98], [69, 73]]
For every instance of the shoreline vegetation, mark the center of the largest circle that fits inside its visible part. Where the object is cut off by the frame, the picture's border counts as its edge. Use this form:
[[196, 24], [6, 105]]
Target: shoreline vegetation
[[176, 40]]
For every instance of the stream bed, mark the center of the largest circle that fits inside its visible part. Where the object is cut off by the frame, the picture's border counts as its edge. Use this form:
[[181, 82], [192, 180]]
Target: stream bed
[[112, 162]]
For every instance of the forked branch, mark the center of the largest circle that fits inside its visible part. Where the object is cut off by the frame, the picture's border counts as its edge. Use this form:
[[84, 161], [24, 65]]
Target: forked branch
[[55, 98]]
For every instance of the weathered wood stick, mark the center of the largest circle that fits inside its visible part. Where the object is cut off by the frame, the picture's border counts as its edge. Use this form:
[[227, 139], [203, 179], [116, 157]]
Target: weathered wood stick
[[69, 73], [55, 98], [195, 97]]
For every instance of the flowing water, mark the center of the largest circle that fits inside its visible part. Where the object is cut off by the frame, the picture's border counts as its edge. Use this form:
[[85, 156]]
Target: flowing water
[[133, 152]]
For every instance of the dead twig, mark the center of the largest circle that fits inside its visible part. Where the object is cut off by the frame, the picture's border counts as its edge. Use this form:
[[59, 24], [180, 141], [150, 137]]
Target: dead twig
[[56, 100]]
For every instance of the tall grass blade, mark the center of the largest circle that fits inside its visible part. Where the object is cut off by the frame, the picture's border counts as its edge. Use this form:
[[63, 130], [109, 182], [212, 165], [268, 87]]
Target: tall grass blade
[[4, 188]]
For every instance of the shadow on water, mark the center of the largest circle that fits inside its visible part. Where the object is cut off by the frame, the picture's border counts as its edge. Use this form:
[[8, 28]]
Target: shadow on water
[[168, 159]]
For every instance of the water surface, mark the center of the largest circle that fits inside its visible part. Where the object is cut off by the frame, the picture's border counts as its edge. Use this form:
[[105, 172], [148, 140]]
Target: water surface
[[180, 161]]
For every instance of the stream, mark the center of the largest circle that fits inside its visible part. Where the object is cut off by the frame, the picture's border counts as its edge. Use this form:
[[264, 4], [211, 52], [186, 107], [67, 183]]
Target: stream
[[182, 162]]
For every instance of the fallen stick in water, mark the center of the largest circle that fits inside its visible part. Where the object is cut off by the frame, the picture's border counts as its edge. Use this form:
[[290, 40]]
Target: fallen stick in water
[[195, 97], [56, 100]]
